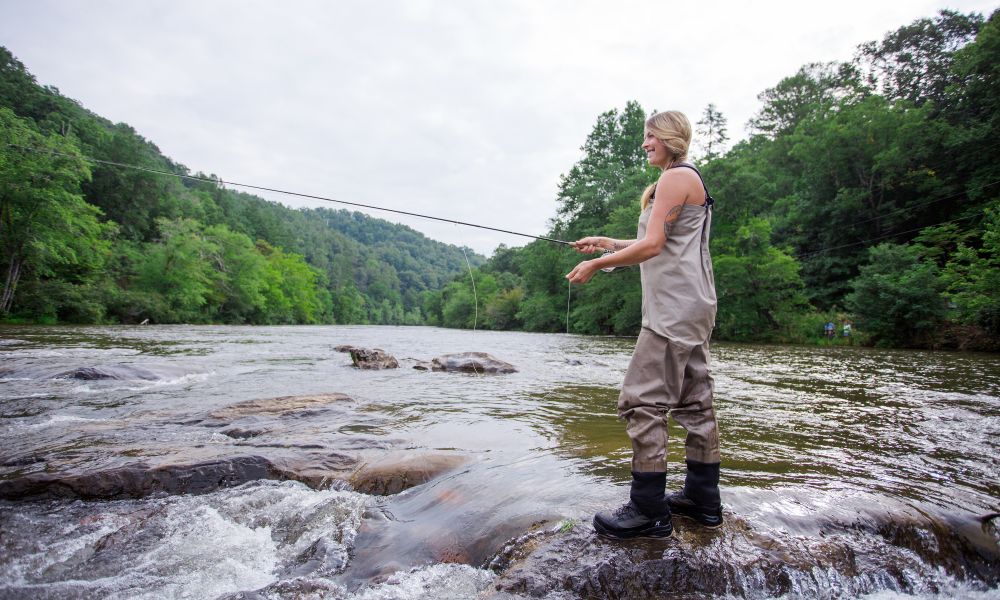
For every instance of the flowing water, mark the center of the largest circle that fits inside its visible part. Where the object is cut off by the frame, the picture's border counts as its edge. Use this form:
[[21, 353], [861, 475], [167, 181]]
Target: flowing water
[[133, 465]]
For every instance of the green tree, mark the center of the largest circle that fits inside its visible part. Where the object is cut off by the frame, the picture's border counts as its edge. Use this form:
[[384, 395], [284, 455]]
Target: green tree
[[972, 278], [915, 62], [712, 134], [813, 90], [47, 230], [179, 271], [759, 289], [897, 297]]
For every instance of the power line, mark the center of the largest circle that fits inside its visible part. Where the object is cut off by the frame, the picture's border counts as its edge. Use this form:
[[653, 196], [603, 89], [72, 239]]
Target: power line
[[922, 204], [280, 191], [881, 237]]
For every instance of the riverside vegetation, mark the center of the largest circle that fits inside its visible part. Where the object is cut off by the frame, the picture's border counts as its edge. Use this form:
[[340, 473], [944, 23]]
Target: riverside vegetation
[[868, 192]]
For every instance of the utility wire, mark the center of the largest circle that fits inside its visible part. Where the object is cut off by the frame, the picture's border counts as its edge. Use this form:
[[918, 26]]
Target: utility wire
[[881, 237], [922, 204], [280, 191]]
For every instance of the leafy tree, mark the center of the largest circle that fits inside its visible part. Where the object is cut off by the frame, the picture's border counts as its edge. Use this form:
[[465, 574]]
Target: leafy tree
[[758, 286], [177, 269], [607, 174], [814, 90], [46, 229], [712, 133], [914, 63], [898, 296], [972, 278]]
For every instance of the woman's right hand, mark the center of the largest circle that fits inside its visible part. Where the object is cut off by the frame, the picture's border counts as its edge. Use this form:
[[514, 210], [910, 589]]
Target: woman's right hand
[[589, 245]]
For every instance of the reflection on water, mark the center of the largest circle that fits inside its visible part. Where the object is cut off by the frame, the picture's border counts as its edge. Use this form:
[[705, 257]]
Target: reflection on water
[[813, 440]]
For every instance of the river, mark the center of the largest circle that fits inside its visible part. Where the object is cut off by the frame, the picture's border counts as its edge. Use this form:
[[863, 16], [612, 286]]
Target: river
[[153, 462]]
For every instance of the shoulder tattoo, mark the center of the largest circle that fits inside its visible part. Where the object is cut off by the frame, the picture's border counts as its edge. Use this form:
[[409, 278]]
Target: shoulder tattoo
[[671, 218]]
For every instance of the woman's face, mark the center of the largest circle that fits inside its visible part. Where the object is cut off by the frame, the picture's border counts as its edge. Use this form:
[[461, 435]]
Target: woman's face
[[656, 152]]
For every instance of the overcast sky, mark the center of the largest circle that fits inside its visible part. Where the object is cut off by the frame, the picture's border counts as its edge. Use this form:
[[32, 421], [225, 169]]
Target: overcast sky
[[464, 109]]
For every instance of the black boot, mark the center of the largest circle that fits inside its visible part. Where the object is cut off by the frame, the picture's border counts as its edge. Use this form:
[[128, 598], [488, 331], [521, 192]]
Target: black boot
[[700, 499], [645, 515]]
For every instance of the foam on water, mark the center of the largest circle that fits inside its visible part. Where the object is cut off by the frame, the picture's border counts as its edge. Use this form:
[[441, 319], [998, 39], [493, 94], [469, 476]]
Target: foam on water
[[435, 582], [233, 540]]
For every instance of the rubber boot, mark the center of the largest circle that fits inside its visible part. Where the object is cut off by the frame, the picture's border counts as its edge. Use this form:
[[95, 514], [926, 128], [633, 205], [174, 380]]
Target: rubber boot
[[700, 499], [645, 515]]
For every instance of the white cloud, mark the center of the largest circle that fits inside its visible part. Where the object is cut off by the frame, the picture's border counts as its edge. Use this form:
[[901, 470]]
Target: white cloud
[[468, 110]]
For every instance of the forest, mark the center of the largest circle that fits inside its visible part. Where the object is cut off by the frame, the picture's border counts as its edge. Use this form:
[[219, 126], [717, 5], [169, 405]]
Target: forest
[[868, 193]]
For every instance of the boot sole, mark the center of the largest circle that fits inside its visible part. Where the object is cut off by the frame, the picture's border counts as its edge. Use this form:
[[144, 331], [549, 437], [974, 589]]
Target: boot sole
[[698, 521], [653, 533]]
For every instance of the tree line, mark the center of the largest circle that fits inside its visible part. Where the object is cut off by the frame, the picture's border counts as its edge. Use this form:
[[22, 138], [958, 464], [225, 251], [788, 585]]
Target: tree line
[[91, 242], [867, 194]]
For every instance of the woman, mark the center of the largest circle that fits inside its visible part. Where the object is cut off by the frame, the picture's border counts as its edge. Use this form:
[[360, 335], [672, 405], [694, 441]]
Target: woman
[[669, 371]]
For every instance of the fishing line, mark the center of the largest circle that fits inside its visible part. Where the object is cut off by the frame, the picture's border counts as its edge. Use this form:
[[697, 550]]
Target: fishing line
[[475, 296], [220, 182], [569, 290]]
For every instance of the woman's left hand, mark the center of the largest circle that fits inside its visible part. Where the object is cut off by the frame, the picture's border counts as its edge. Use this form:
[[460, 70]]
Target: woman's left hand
[[582, 272]]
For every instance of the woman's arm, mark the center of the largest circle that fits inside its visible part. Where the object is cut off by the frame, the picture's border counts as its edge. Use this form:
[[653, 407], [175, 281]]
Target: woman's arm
[[672, 192], [589, 245]]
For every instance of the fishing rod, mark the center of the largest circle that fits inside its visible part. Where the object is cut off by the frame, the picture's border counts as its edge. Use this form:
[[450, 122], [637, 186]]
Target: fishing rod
[[280, 191]]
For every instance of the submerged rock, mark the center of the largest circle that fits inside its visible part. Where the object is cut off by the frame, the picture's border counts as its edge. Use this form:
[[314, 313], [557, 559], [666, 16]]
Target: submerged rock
[[376, 358], [113, 372], [468, 362], [281, 406], [397, 472]]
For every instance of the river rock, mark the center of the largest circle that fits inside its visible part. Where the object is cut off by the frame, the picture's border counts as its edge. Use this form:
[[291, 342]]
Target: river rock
[[468, 362], [736, 560], [281, 406], [397, 472], [343, 348], [114, 372], [376, 358], [141, 479]]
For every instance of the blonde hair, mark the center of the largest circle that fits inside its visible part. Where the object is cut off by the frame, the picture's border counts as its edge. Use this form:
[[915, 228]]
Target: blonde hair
[[673, 129]]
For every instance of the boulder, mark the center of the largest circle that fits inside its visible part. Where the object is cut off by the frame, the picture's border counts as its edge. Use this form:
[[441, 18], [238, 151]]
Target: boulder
[[468, 362], [373, 359], [397, 472]]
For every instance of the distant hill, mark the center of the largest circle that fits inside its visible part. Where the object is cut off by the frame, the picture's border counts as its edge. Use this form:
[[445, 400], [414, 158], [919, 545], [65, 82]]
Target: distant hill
[[257, 261]]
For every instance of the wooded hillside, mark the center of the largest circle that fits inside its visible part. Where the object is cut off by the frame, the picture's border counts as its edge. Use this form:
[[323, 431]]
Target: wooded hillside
[[88, 243]]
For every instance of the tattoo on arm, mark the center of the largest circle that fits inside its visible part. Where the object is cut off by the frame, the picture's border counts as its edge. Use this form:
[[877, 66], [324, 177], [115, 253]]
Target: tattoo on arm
[[617, 245], [671, 219]]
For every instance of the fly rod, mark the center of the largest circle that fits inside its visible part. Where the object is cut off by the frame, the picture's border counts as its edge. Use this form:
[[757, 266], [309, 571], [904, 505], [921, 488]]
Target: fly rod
[[280, 191]]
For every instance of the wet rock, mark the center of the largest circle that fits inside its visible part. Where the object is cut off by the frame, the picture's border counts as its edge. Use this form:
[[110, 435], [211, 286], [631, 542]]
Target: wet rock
[[738, 561], [470, 362], [139, 480], [300, 587], [285, 405], [343, 348], [397, 472], [323, 558], [238, 433], [113, 372], [376, 358]]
